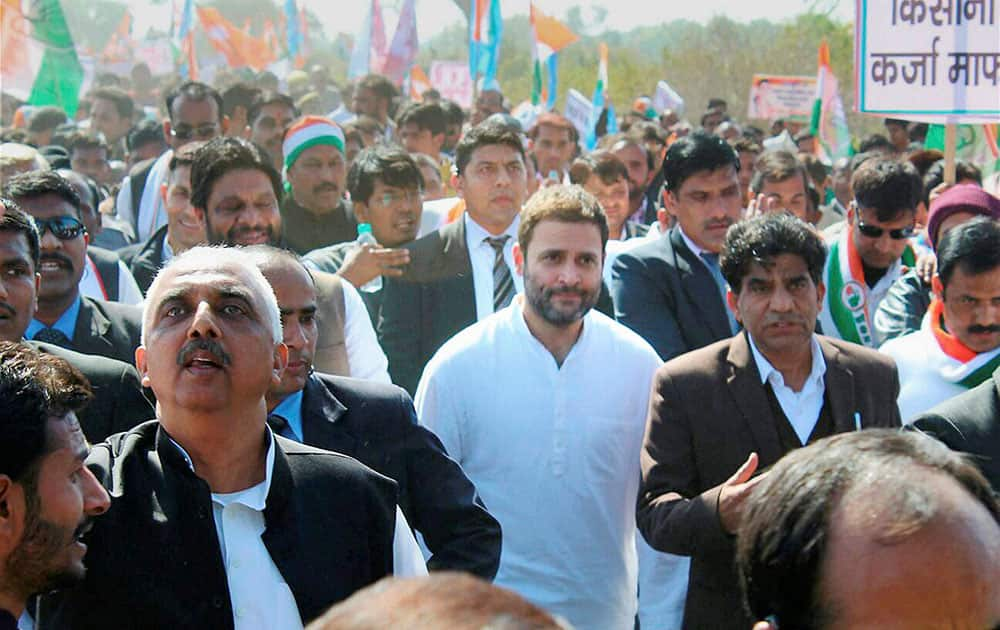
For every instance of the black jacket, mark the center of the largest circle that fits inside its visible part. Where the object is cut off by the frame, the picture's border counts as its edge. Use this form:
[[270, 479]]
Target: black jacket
[[108, 329], [377, 425], [154, 560], [146, 261]]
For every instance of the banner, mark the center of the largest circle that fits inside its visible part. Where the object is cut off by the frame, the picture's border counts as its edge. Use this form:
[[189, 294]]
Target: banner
[[667, 98], [915, 59], [451, 79], [578, 110], [775, 96]]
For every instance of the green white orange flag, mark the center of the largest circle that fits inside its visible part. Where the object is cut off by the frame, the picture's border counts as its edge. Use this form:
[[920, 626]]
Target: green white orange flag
[[829, 124], [975, 143], [549, 36], [38, 60]]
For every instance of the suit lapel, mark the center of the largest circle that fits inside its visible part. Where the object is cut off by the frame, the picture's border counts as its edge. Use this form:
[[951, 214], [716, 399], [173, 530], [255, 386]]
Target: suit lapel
[[456, 300], [90, 330], [839, 381], [320, 414], [698, 283], [748, 393]]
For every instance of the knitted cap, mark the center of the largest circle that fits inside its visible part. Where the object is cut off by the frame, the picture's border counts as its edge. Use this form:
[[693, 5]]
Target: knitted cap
[[962, 198], [310, 131]]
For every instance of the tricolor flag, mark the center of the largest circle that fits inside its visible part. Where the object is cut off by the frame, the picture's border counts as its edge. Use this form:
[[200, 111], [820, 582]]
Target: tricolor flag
[[120, 47], [369, 47], [238, 48], [403, 50], [975, 143], [38, 60], [485, 31], [599, 99], [549, 37], [293, 35], [188, 66], [419, 83], [829, 124]]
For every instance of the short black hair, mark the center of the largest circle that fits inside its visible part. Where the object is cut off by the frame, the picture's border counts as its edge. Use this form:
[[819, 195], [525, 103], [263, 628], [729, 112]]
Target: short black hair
[[973, 246], [34, 387], [876, 142], [617, 141], [124, 104], [934, 177], [695, 153], [889, 186], [239, 95], [389, 164], [427, 116], [17, 221], [223, 155], [40, 183], [783, 538], [379, 84], [776, 166], [184, 156], [194, 91], [47, 118], [606, 165], [144, 132], [453, 113], [765, 237], [485, 134], [87, 140], [270, 97]]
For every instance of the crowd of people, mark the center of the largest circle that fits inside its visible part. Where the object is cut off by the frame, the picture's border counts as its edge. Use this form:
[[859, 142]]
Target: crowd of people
[[277, 353]]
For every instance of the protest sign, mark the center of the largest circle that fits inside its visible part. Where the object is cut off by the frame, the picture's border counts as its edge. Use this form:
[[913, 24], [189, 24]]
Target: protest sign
[[451, 79], [577, 110], [667, 98], [923, 59], [776, 96]]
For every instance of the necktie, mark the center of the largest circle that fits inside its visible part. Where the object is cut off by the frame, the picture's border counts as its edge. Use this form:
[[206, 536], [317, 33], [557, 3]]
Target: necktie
[[503, 282], [712, 262], [53, 336]]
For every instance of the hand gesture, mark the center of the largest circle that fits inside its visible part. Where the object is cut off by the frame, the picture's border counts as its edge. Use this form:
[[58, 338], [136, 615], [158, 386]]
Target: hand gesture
[[364, 264], [734, 493]]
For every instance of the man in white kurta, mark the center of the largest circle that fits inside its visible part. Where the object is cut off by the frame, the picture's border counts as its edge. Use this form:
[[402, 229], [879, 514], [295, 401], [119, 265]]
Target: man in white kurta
[[551, 434]]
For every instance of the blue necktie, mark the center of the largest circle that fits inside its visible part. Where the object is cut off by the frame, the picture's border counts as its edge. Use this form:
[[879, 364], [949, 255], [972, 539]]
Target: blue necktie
[[54, 336], [712, 262]]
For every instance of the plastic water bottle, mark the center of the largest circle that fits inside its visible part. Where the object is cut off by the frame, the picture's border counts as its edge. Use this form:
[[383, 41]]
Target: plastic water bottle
[[365, 236]]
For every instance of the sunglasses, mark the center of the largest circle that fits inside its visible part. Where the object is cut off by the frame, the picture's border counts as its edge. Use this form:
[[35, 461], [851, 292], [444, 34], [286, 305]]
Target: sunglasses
[[185, 132], [63, 228], [898, 234]]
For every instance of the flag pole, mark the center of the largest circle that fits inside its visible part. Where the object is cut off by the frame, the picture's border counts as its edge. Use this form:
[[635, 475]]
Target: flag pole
[[950, 138]]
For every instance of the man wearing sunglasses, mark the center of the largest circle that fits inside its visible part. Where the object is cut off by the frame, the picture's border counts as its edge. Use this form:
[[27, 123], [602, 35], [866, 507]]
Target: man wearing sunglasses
[[65, 317], [873, 251], [195, 113]]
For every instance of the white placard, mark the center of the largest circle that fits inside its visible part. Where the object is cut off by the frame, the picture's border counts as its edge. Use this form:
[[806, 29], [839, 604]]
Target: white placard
[[667, 98], [774, 96], [928, 58], [577, 110]]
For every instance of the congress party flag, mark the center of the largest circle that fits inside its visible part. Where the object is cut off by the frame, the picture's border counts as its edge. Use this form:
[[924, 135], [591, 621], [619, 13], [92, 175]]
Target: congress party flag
[[38, 60], [419, 83], [403, 50], [598, 100], [293, 35], [369, 47], [485, 31], [549, 37], [238, 48], [829, 124], [188, 63], [974, 143]]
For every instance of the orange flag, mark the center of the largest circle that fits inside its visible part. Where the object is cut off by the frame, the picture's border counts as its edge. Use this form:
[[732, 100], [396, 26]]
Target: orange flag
[[239, 48]]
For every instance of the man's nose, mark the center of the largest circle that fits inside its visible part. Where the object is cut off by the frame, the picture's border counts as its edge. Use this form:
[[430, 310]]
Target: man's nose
[[96, 500], [203, 323]]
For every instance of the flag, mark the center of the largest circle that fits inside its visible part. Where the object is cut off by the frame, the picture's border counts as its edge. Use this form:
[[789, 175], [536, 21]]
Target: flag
[[829, 124], [120, 47], [974, 143], [238, 48], [293, 35], [38, 60], [188, 66], [485, 31], [419, 83], [549, 37], [598, 100], [403, 50], [369, 47]]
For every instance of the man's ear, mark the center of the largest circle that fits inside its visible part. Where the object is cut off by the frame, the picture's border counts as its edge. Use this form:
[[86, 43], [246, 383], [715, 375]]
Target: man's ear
[[361, 212], [12, 513], [937, 287], [280, 363], [458, 185], [140, 365], [518, 259], [225, 125], [852, 213], [663, 218], [732, 301]]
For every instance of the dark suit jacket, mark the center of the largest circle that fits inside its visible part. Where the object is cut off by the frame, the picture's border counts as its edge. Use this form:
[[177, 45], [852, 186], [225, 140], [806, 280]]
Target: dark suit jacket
[[662, 291], [708, 412], [434, 299], [377, 425], [145, 261], [118, 403], [108, 329], [970, 423], [154, 560]]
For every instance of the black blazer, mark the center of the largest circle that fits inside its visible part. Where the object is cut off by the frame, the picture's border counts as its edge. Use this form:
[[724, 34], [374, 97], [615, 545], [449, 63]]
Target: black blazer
[[970, 423], [154, 560], [377, 425], [708, 412], [146, 261], [662, 291], [108, 329], [118, 404]]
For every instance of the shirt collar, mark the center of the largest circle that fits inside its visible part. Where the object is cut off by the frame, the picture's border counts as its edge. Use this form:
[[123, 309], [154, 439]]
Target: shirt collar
[[65, 324], [291, 410], [475, 233], [695, 249], [765, 368], [254, 497]]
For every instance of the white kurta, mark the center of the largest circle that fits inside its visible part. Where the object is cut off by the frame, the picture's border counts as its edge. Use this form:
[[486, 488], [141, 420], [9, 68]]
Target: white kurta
[[554, 452]]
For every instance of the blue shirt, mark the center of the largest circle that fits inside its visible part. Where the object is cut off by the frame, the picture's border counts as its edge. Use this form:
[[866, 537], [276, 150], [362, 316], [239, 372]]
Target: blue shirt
[[65, 324], [291, 410]]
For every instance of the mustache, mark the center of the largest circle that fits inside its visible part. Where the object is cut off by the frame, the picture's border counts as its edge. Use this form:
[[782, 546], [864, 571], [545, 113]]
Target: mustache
[[326, 187], [234, 234], [83, 528], [5, 307], [725, 222], [62, 259], [976, 329], [203, 345]]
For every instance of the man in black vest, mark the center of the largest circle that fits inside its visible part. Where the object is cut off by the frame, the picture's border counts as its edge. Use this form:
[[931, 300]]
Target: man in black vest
[[216, 522]]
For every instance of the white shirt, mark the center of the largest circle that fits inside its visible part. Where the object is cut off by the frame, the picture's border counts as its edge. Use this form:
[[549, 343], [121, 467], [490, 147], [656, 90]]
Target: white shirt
[[91, 286], [802, 408], [554, 452], [365, 357], [260, 597], [482, 255], [151, 213]]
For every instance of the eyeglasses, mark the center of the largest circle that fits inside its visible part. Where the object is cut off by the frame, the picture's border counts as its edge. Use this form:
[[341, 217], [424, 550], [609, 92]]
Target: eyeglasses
[[63, 228], [389, 199], [898, 234], [186, 132]]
